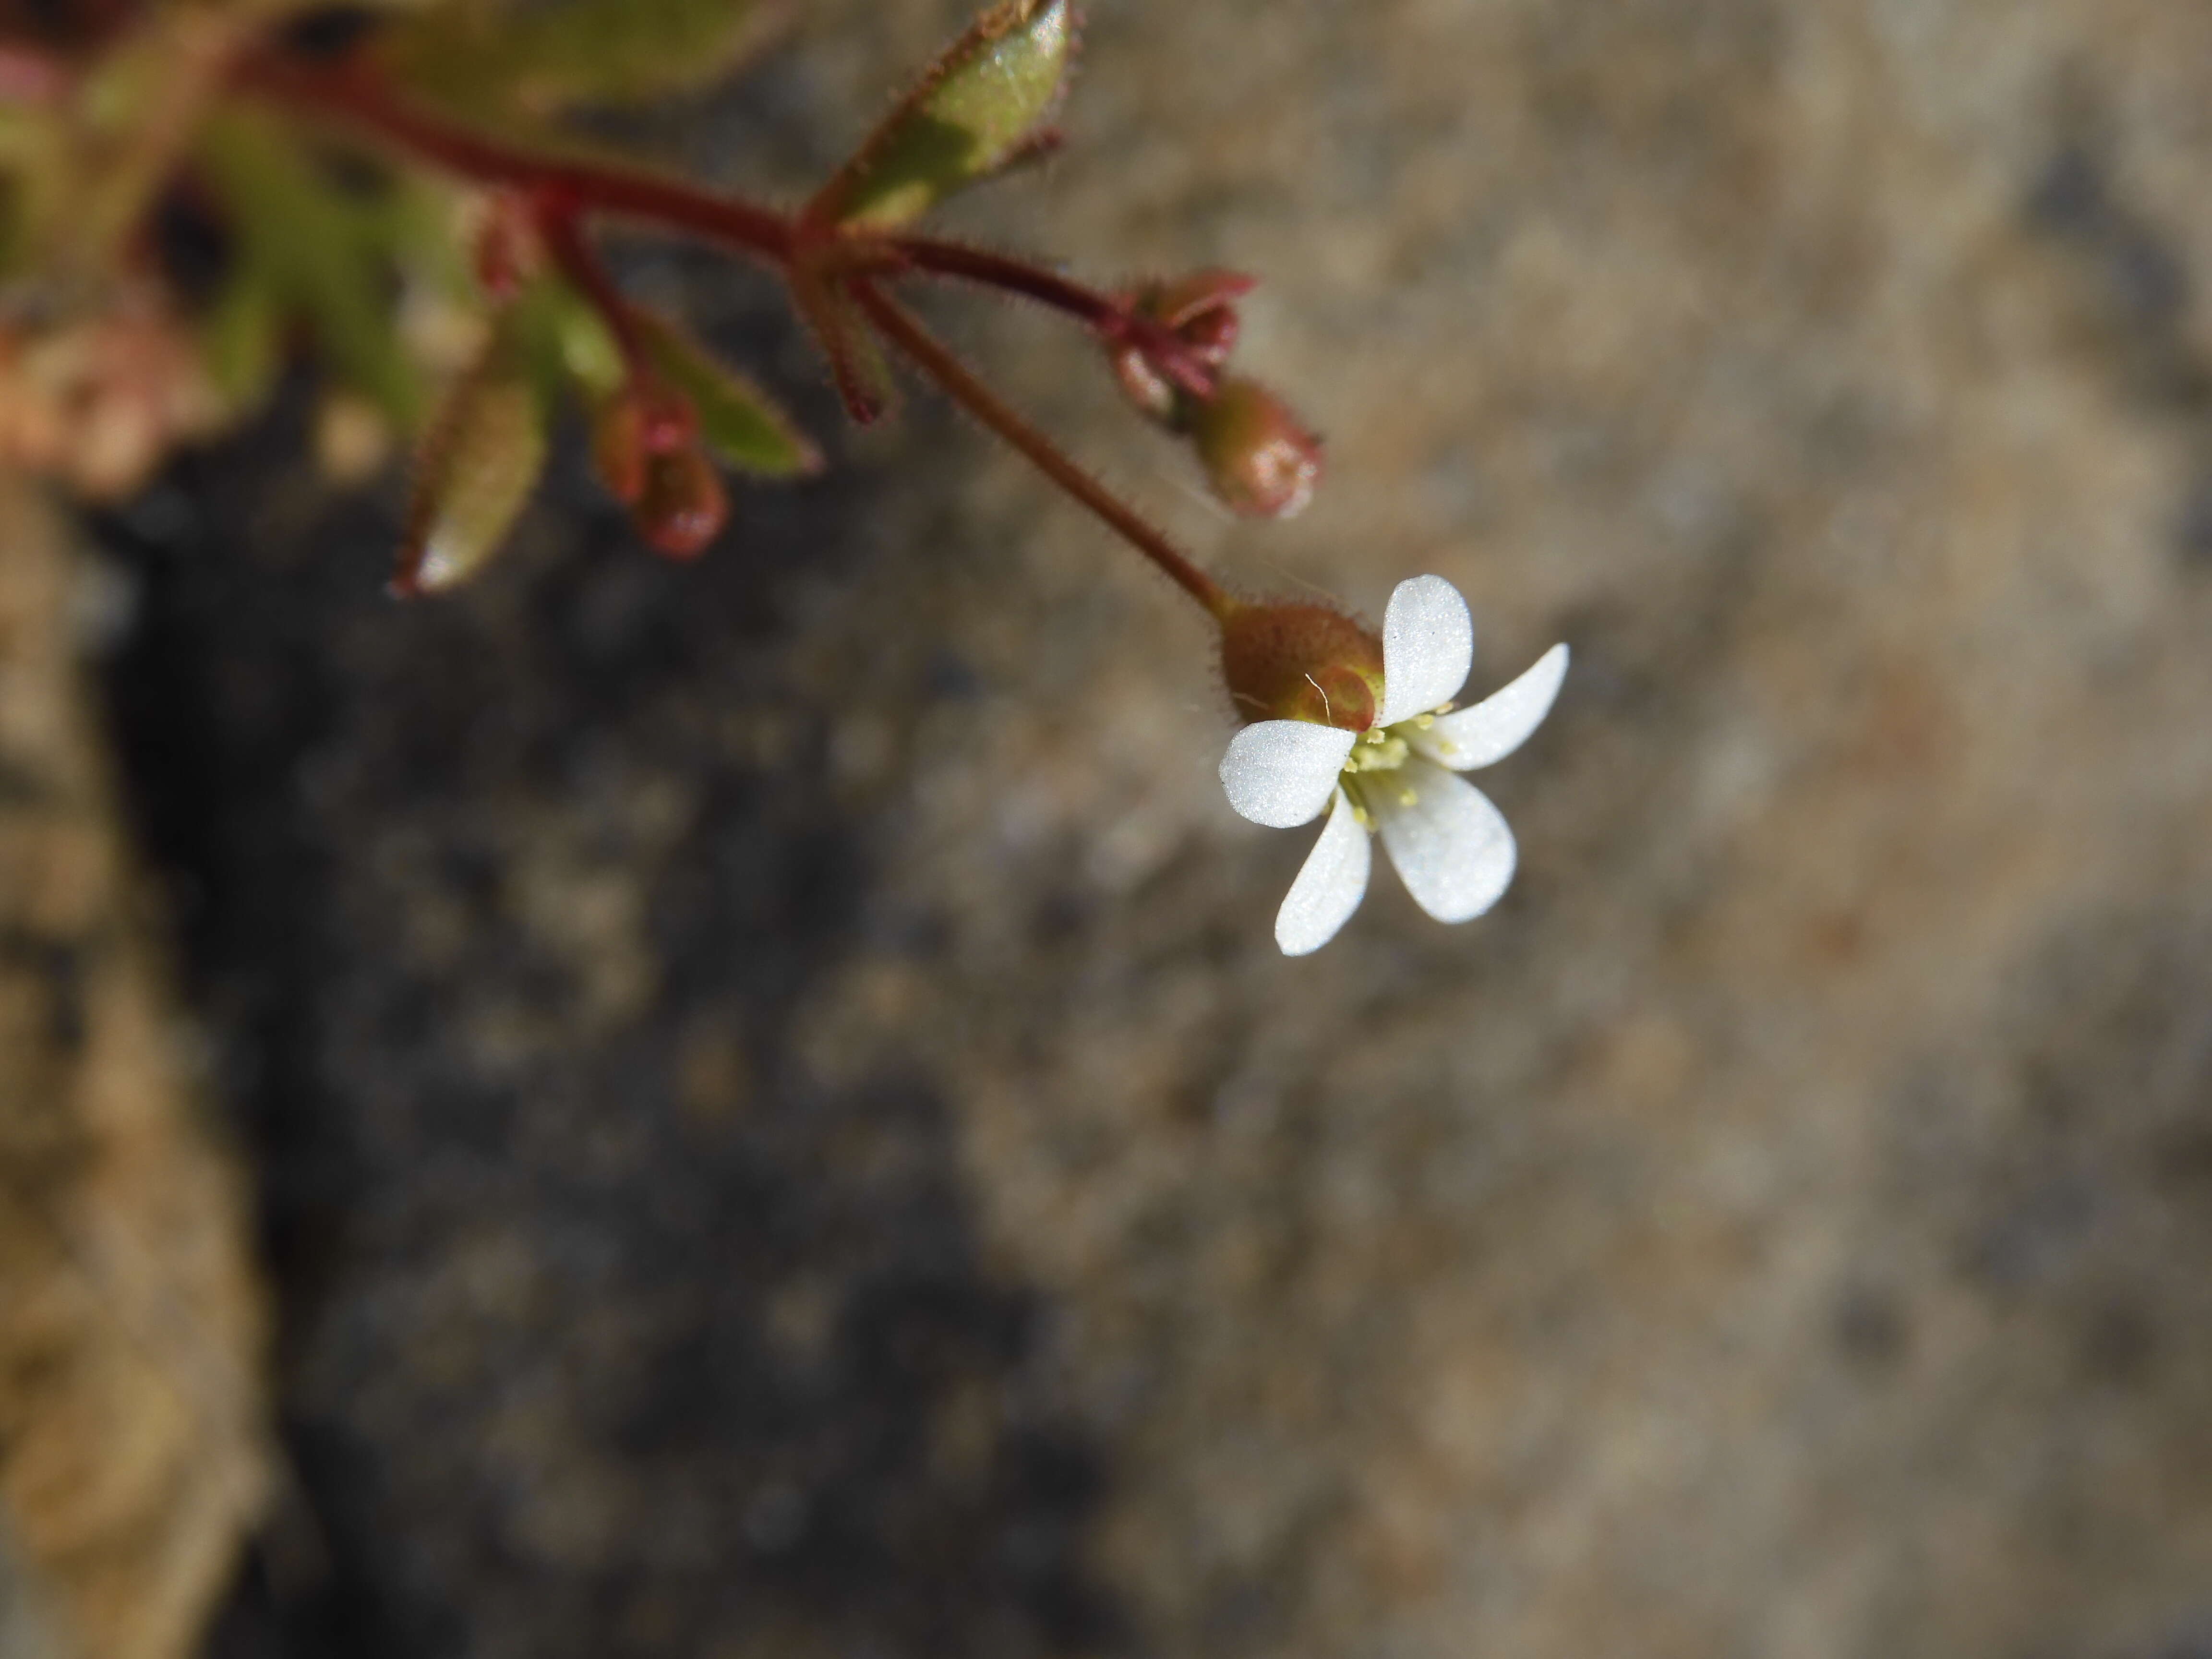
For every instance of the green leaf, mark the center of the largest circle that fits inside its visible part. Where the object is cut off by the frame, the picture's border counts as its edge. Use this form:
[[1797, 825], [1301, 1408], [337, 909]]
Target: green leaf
[[242, 339], [322, 250], [577, 52], [565, 341], [739, 422], [33, 164], [981, 106], [588, 349], [485, 453]]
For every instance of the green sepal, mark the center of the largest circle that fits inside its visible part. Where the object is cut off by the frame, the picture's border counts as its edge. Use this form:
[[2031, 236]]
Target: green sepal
[[857, 364], [576, 53], [982, 104], [566, 343], [740, 423], [485, 454]]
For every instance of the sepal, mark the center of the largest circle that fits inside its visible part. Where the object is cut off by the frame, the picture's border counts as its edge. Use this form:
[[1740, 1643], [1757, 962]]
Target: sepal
[[486, 449], [857, 365], [739, 422], [683, 506], [985, 104], [1301, 661]]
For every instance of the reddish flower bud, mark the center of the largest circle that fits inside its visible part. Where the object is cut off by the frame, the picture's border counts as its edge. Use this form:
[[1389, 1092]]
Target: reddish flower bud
[[666, 420], [647, 445], [1301, 662], [1211, 335], [1201, 309], [683, 506], [644, 419], [1259, 457]]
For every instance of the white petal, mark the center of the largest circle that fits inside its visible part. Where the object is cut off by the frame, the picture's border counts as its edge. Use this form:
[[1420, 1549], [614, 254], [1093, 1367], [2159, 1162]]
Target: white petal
[[1452, 848], [1330, 884], [1428, 645], [1281, 772], [1499, 724]]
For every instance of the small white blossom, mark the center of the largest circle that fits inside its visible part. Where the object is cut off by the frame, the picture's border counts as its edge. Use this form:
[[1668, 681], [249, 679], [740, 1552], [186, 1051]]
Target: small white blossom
[[1451, 847]]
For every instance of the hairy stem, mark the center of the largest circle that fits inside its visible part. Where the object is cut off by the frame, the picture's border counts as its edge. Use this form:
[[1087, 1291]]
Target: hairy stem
[[1104, 314], [564, 192], [355, 99], [930, 355], [577, 260], [352, 95]]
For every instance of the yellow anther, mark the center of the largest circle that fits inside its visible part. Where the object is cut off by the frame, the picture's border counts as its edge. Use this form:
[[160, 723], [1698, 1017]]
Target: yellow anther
[[1425, 722]]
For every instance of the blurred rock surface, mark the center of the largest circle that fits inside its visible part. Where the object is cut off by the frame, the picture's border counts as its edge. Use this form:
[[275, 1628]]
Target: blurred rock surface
[[785, 1129], [132, 1454]]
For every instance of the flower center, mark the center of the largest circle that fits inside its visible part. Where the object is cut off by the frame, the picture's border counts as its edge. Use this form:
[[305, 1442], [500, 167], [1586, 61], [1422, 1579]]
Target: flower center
[[1377, 750], [1365, 789]]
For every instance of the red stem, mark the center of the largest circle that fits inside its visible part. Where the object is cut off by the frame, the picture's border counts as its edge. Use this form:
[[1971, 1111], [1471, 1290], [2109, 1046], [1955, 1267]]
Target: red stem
[[903, 330], [1106, 315], [356, 99], [579, 262], [942, 259], [354, 96], [564, 189]]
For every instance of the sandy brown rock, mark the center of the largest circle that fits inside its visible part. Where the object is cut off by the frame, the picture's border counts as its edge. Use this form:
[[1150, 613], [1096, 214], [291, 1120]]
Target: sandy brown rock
[[1770, 1233], [131, 1457], [790, 1132]]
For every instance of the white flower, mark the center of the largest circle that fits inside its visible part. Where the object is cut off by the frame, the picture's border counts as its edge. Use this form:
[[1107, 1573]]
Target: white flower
[[1452, 848]]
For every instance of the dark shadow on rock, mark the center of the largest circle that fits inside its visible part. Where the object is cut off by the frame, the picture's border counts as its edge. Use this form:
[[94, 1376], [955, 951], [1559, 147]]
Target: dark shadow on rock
[[607, 1326]]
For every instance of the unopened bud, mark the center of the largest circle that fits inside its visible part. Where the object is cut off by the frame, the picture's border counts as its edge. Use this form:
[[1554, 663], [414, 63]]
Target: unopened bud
[[644, 419], [1259, 457], [1201, 310], [683, 506], [1301, 662], [1211, 335], [667, 422]]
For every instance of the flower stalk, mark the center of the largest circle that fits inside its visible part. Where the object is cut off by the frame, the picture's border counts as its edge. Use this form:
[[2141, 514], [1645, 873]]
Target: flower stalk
[[830, 273], [923, 349]]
